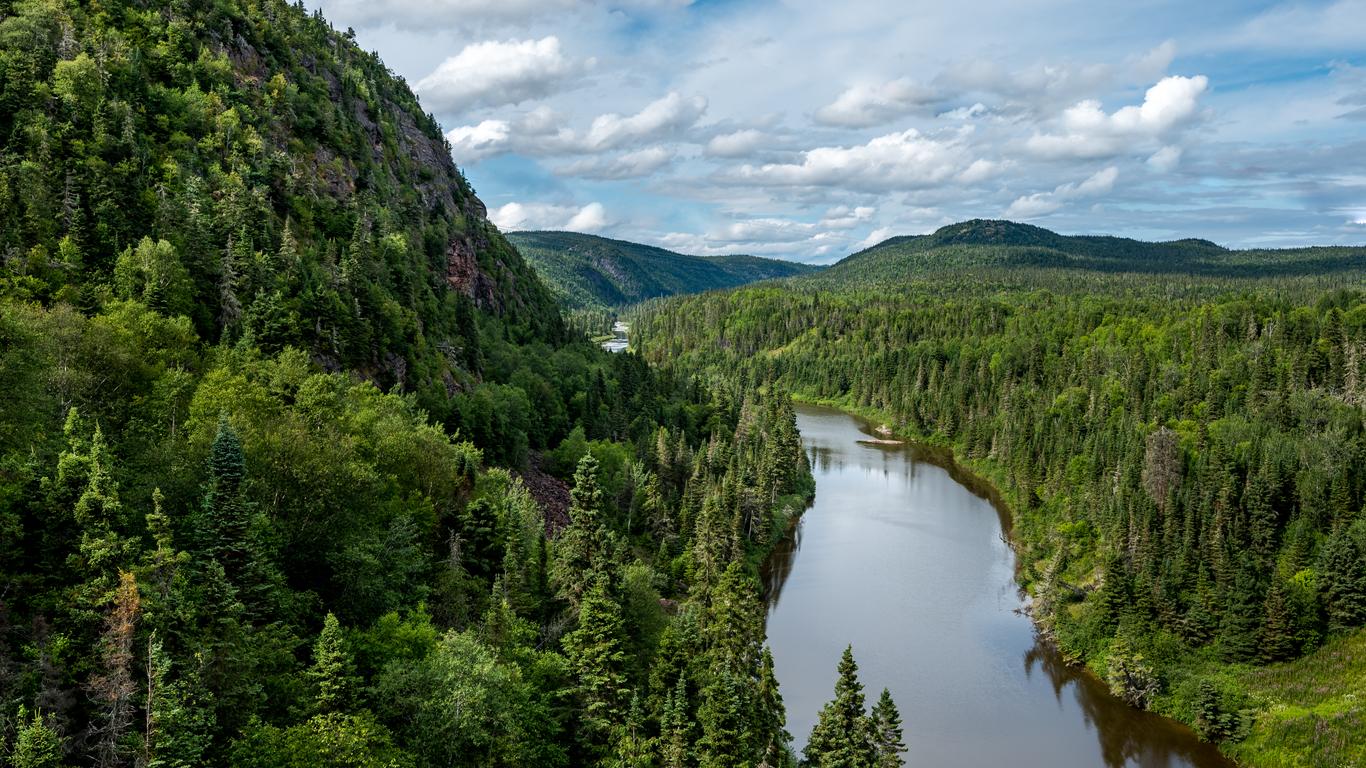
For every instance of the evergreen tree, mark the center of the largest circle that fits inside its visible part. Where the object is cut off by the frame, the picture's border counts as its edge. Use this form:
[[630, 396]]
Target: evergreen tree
[[225, 510], [675, 727], [333, 674], [113, 689], [842, 736], [771, 715], [37, 744], [1343, 565], [180, 715], [597, 660], [634, 748], [887, 735], [1278, 635], [579, 548]]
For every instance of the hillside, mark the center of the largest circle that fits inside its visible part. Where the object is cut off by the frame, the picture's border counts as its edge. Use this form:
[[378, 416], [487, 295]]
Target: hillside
[[588, 271], [304, 197], [999, 248], [286, 425]]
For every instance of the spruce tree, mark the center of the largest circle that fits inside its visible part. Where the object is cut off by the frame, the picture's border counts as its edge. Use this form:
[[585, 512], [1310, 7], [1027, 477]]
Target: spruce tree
[[675, 727], [37, 744], [333, 674], [1343, 565], [180, 714], [887, 734], [228, 520], [1278, 641], [579, 547], [597, 659], [842, 736]]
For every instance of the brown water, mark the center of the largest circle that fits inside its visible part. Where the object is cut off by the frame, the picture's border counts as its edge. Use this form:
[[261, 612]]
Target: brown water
[[908, 564]]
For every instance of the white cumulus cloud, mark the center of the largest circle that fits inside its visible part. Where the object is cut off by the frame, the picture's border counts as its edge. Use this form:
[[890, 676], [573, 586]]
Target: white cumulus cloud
[[1088, 132], [495, 73], [514, 216], [903, 160], [664, 117], [870, 104], [737, 144]]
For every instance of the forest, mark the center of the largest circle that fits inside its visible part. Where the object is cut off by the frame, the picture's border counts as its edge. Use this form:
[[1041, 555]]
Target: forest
[[299, 462], [1183, 453]]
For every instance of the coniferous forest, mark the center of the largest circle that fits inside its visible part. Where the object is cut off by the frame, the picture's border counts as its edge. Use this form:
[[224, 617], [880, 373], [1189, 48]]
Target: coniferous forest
[[1181, 443], [298, 463], [303, 464]]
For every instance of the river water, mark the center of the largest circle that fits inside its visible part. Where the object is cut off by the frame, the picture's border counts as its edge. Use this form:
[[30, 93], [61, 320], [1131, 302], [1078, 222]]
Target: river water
[[908, 564]]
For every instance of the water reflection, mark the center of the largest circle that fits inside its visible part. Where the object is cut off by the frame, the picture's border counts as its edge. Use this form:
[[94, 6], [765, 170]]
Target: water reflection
[[902, 554]]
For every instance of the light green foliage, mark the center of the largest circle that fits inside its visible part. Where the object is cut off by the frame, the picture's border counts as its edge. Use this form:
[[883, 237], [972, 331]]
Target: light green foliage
[[332, 740], [334, 670], [459, 706], [37, 744], [153, 274]]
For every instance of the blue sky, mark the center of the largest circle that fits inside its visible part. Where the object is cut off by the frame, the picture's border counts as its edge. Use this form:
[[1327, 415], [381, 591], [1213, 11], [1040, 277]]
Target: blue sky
[[808, 130]]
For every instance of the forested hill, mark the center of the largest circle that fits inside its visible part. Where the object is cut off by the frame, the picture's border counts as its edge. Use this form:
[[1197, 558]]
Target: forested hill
[[286, 426], [290, 187], [999, 247], [595, 272]]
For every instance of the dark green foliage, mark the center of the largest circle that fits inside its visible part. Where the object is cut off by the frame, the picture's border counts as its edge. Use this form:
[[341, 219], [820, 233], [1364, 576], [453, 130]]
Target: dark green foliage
[[844, 736], [1343, 565], [597, 660], [887, 734], [269, 372], [590, 272]]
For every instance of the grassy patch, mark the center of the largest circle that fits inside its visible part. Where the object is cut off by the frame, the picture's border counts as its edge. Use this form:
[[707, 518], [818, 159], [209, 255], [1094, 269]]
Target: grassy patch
[[1308, 713]]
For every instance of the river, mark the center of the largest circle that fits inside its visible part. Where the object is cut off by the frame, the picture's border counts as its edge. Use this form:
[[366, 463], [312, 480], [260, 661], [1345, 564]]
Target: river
[[620, 337], [908, 564]]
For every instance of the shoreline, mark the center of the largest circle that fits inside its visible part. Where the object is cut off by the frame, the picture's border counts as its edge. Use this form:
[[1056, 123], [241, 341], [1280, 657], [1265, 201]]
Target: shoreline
[[972, 476]]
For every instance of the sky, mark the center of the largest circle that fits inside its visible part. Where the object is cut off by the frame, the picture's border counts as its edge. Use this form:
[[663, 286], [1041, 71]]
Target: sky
[[809, 130]]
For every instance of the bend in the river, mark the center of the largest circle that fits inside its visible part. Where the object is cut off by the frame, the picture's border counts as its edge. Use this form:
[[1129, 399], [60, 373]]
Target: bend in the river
[[913, 568]]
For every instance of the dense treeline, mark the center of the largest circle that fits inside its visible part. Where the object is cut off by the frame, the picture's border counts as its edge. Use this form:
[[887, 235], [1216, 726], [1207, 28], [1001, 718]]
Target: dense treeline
[[298, 463], [1188, 474], [215, 556]]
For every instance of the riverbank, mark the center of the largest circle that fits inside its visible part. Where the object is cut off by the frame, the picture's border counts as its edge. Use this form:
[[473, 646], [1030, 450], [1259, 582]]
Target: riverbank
[[1281, 720]]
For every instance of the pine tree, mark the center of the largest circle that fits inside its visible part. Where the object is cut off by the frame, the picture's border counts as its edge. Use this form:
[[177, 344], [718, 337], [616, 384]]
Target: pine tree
[[99, 515], [887, 734], [634, 748], [842, 736], [771, 715], [1278, 630], [227, 517], [333, 674], [597, 659]]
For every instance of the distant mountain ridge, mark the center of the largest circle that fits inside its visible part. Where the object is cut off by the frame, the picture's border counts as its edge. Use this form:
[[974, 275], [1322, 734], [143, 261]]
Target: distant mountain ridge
[[1006, 244], [588, 271]]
